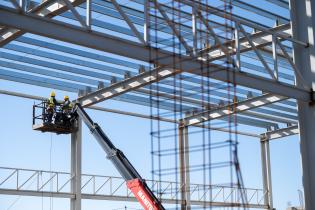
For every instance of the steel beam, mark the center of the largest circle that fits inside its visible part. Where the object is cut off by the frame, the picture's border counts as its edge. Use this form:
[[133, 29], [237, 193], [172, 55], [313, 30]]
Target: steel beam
[[98, 57], [233, 108], [76, 35], [76, 13], [114, 188], [120, 198], [45, 9], [281, 3], [16, 4], [221, 13], [128, 21], [126, 85], [139, 14], [36, 193], [187, 97], [244, 44], [280, 133], [255, 9], [261, 58], [172, 25], [127, 113], [130, 98], [303, 27]]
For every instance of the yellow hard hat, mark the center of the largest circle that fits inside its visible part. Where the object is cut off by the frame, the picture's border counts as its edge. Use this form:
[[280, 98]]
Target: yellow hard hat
[[52, 94], [66, 98]]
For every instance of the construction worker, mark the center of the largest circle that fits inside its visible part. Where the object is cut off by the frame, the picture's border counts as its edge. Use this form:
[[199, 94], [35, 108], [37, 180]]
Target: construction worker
[[51, 106], [66, 110]]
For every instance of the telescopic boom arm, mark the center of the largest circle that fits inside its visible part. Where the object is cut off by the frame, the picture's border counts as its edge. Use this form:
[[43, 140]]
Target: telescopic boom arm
[[134, 181]]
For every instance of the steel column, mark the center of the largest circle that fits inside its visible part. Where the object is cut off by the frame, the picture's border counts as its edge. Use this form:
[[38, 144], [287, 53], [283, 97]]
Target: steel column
[[184, 165], [89, 14], [303, 25], [194, 30], [76, 162], [237, 47], [146, 26], [182, 174], [187, 168], [22, 5], [266, 172]]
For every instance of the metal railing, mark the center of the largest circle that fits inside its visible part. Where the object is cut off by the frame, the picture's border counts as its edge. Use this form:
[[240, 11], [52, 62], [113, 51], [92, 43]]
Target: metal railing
[[27, 180]]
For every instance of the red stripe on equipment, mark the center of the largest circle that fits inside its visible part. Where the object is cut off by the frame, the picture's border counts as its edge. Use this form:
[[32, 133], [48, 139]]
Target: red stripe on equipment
[[137, 188]]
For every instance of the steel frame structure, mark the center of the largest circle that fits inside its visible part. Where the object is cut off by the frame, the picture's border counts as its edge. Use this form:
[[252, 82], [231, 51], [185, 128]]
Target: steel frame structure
[[36, 183], [264, 86]]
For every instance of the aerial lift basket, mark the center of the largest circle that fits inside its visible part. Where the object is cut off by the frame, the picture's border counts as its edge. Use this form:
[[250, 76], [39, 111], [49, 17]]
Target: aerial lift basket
[[59, 124]]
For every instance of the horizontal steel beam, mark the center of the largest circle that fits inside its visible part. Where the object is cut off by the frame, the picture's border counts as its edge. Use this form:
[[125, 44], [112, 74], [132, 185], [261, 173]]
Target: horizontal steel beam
[[280, 133], [260, 39], [99, 77], [136, 15], [281, 3], [77, 35], [221, 13], [234, 108], [45, 9], [117, 198], [21, 181], [133, 114], [126, 85], [129, 98], [35, 193], [260, 11]]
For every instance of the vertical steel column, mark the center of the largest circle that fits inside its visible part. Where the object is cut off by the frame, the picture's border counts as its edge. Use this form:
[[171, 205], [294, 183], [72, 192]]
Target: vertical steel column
[[76, 156], [275, 56], [146, 26], [266, 172], [194, 29], [89, 13], [182, 176], [237, 46], [187, 168], [22, 4], [303, 24], [184, 165]]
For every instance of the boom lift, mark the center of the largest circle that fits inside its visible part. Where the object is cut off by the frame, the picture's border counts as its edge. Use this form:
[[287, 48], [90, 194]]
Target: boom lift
[[135, 182], [60, 123]]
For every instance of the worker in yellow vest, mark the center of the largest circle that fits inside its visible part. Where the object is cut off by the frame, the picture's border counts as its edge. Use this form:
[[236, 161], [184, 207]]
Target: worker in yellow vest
[[66, 110], [51, 106], [66, 105]]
